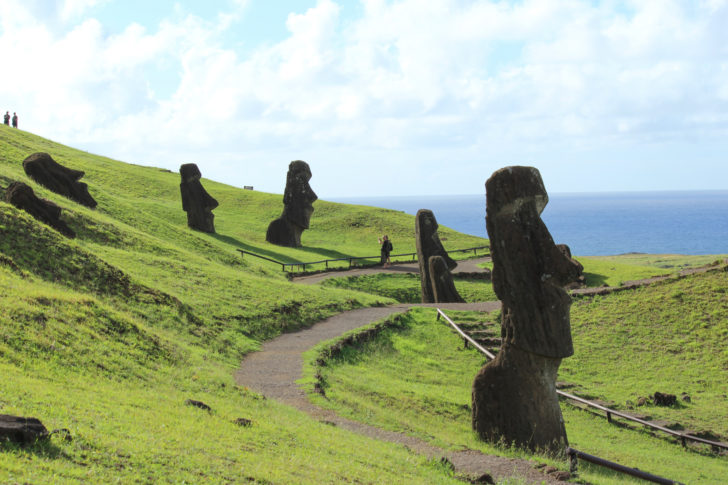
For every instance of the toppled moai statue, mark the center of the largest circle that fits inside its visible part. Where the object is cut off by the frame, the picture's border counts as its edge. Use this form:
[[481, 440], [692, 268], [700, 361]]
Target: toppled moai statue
[[298, 200], [62, 180], [20, 430], [443, 287], [195, 200], [428, 244], [22, 196], [514, 396]]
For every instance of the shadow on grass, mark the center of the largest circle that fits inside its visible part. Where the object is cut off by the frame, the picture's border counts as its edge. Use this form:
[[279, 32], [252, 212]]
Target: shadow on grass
[[595, 279], [40, 449], [324, 253]]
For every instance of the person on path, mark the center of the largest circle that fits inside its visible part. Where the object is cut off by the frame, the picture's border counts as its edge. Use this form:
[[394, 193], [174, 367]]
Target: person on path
[[6, 118], [386, 249], [15, 120]]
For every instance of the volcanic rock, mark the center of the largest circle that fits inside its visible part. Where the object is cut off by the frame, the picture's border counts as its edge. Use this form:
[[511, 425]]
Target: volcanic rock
[[23, 431], [298, 200], [55, 177], [428, 244], [443, 288], [195, 200], [22, 196], [663, 399], [514, 396]]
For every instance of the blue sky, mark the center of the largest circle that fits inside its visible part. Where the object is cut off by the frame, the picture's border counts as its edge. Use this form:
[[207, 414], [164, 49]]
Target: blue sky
[[381, 97]]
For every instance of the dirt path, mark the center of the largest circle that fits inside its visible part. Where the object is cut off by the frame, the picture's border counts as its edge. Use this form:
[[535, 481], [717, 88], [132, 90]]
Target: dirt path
[[464, 266], [274, 371]]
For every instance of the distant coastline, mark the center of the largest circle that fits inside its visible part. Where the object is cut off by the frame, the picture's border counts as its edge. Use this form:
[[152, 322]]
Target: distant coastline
[[597, 224]]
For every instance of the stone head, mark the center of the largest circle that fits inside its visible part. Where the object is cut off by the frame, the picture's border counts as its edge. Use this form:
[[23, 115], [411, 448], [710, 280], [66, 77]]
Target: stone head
[[427, 221], [298, 197], [510, 188], [189, 172]]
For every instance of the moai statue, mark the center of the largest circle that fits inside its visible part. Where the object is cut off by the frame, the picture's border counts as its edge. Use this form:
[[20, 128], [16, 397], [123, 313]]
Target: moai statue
[[298, 200], [22, 196], [514, 396], [195, 200], [428, 245], [55, 177], [443, 287]]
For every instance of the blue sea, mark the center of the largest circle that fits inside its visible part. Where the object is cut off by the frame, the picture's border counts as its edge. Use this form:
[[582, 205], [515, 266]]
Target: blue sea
[[597, 224]]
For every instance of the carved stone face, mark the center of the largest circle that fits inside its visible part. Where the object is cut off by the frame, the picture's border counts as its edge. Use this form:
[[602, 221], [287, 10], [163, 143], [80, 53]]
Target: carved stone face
[[298, 197], [511, 187]]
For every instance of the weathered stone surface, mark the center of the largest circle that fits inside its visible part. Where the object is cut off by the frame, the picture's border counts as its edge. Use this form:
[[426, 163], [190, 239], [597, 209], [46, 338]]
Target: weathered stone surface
[[298, 200], [428, 244], [580, 281], [23, 431], [664, 399], [62, 180], [197, 404], [22, 196], [244, 422], [195, 200], [443, 288], [514, 396]]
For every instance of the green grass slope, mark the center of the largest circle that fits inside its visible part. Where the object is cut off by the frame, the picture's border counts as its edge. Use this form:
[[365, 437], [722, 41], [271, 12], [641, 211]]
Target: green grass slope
[[669, 337], [107, 334]]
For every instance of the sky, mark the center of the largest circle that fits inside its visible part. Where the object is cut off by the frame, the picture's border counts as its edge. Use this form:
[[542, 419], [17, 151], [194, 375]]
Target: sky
[[381, 97]]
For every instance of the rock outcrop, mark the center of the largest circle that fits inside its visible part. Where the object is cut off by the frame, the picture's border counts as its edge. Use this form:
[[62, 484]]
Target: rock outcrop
[[298, 200], [55, 177], [195, 200], [20, 430], [428, 244], [514, 396], [443, 287], [22, 196]]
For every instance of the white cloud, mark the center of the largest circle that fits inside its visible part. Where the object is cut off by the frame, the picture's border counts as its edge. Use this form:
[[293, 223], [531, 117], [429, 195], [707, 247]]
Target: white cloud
[[71, 9], [408, 82]]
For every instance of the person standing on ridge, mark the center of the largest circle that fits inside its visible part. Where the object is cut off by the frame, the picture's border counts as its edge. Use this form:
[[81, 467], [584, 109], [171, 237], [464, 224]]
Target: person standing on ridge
[[386, 249], [15, 120], [6, 118]]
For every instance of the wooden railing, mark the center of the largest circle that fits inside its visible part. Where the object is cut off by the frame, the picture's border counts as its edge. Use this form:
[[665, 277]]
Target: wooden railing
[[574, 454], [350, 259], [684, 437]]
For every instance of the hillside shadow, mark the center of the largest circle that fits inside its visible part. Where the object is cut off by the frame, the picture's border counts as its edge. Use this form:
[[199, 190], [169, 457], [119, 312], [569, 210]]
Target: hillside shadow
[[238, 244], [324, 253], [328, 253]]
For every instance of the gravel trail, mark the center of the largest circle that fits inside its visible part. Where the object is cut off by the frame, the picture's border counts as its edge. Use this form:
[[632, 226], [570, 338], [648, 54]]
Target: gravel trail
[[274, 370]]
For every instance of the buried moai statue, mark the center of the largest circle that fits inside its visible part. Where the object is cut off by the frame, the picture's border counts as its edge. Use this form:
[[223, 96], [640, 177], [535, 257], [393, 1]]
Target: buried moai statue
[[514, 396], [428, 245], [195, 200], [298, 200], [55, 177], [443, 287], [22, 196]]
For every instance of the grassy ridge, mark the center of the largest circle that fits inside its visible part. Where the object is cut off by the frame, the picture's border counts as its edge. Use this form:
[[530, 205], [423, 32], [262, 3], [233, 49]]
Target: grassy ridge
[[109, 333]]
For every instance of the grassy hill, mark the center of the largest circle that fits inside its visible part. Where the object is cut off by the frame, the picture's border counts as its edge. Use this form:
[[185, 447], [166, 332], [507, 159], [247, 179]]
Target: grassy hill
[[669, 337], [108, 334]]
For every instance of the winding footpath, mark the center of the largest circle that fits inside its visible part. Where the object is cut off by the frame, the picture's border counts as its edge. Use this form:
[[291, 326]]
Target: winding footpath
[[274, 370]]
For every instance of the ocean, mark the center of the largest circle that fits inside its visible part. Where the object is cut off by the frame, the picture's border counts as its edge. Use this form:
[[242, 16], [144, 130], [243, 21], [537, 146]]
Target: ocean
[[597, 224]]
